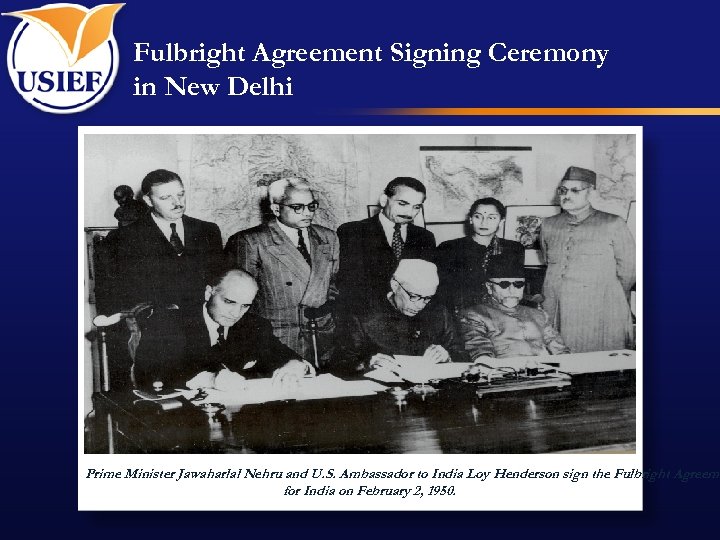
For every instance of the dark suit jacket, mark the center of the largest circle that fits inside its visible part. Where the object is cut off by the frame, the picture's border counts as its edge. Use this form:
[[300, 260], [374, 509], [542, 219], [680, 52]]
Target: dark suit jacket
[[386, 330], [462, 277], [175, 347], [287, 284], [148, 269], [367, 262]]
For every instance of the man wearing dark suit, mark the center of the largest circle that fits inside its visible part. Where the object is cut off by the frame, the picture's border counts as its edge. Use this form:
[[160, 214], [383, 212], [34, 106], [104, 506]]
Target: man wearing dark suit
[[294, 263], [218, 338], [165, 257], [370, 249]]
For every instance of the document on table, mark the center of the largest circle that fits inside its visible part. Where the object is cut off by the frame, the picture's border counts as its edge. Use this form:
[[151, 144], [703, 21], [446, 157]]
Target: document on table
[[417, 370], [324, 386]]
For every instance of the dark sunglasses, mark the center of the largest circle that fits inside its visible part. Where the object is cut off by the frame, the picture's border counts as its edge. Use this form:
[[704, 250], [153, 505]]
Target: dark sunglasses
[[519, 284], [298, 208]]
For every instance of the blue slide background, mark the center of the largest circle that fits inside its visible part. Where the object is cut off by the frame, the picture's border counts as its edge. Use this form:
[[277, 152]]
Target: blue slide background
[[659, 57]]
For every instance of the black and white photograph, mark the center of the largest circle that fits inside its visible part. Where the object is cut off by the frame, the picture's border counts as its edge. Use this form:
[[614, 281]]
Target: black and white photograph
[[372, 292]]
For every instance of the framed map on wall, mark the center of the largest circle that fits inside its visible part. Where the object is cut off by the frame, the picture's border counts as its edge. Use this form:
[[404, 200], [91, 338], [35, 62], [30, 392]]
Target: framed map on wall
[[455, 176]]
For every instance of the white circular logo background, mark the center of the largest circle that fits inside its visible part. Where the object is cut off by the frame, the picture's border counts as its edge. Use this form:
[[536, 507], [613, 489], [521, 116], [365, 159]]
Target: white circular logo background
[[40, 73]]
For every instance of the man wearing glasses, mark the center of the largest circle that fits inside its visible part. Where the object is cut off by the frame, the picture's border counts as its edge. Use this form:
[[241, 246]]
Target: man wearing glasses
[[294, 263], [591, 268], [501, 327], [407, 323]]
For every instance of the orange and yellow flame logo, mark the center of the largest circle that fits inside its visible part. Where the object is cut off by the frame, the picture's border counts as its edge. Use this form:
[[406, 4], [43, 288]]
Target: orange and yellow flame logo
[[78, 30], [63, 58]]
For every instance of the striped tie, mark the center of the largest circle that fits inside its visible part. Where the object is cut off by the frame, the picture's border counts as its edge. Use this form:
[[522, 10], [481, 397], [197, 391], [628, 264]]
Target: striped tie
[[302, 248]]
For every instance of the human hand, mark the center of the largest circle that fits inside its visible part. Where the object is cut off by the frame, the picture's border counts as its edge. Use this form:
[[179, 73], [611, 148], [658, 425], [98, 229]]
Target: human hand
[[383, 361], [290, 374], [204, 379], [436, 354]]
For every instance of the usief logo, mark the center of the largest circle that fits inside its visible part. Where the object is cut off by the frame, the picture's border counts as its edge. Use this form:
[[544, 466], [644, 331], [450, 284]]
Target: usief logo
[[63, 58]]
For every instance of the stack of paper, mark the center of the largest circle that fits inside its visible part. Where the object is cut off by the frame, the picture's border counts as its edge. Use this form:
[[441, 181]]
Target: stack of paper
[[321, 387]]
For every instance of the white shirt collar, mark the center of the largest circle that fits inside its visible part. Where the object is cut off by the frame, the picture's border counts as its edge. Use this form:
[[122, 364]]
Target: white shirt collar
[[389, 229], [164, 226], [212, 326], [291, 233]]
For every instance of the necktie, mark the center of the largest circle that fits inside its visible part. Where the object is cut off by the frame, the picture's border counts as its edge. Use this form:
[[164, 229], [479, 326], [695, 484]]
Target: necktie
[[221, 335], [175, 240], [397, 242], [302, 248]]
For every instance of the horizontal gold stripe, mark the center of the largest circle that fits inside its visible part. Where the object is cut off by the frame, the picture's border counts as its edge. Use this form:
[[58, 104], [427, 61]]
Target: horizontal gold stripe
[[550, 111]]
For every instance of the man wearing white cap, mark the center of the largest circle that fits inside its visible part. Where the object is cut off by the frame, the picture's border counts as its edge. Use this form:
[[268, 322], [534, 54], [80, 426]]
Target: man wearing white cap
[[591, 268], [407, 323]]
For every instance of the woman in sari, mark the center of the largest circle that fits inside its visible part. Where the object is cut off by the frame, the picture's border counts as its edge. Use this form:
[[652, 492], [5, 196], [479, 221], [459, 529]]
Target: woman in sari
[[462, 263]]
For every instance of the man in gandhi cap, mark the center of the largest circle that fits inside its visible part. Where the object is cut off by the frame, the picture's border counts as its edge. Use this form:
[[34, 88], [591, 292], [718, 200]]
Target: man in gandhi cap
[[502, 328], [409, 322], [591, 268]]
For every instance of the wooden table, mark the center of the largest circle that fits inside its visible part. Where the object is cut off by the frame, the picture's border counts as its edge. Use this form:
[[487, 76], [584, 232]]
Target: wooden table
[[597, 412]]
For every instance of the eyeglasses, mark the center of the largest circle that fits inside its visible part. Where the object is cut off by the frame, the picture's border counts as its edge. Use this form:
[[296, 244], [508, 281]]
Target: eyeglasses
[[299, 208], [412, 296], [519, 284], [562, 190]]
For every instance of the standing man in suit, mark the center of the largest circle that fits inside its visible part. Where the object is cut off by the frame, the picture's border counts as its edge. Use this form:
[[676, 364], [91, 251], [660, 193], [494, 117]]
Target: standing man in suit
[[294, 263], [217, 344], [164, 257], [370, 249]]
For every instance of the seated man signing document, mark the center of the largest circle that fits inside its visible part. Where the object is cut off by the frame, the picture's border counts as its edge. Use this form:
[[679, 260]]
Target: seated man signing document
[[407, 323], [217, 346]]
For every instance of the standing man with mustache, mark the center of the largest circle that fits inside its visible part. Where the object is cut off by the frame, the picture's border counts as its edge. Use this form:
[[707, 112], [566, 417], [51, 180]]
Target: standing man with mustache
[[370, 249], [164, 257], [591, 268]]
